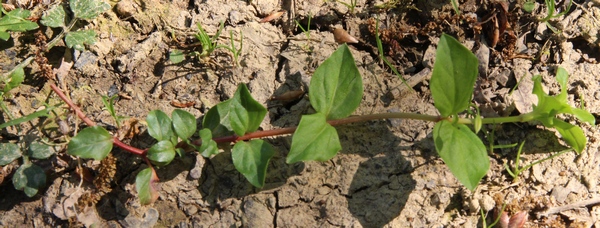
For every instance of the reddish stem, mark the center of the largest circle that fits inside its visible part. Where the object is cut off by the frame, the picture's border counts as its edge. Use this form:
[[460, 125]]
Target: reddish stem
[[258, 134], [90, 123], [72, 106]]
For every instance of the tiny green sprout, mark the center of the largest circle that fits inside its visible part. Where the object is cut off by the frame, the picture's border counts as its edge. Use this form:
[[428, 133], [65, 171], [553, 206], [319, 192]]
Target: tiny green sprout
[[455, 6], [483, 217], [551, 4], [109, 106], [350, 5], [306, 32], [208, 45], [516, 171], [384, 59]]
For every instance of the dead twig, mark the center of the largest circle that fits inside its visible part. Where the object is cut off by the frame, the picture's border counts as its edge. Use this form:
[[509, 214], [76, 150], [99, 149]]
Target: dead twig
[[555, 210]]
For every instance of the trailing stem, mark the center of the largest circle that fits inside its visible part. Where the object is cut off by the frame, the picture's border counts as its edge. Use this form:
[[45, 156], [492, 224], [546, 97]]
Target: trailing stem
[[290, 130]]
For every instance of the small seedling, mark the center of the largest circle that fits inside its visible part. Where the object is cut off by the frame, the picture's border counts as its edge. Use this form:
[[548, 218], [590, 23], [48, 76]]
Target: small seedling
[[384, 59], [455, 6], [517, 170], [208, 46], [350, 5], [483, 217], [109, 106], [551, 4], [306, 32]]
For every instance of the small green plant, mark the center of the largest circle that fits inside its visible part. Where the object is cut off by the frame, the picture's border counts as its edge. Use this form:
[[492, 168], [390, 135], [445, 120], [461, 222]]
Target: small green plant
[[383, 58], [28, 177], [57, 17], [109, 106], [516, 171], [483, 217], [335, 91], [350, 5], [306, 32], [551, 4], [528, 6], [455, 6], [208, 46], [15, 20]]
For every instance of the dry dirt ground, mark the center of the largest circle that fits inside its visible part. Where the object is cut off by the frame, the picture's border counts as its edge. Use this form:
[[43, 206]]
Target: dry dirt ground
[[388, 173]]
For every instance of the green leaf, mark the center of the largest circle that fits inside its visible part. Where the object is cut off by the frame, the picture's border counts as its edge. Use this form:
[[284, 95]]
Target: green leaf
[[238, 118], [176, 56], [146, 186], [528, 6], [4, 35], [16, 20], [184, 123], [78, 39], [572, 134], [240, 114], [209, 146], [40, 151], [462, 151], [256, 112], [88, 9], [251, 159], [15, 79], [29, 178], [550, 106], [43, 112], [159, 125], [217, 119], [336, 87], [162, 153], [55, 17], [314, 140], [8, 153], [454, 74], [92, 142]]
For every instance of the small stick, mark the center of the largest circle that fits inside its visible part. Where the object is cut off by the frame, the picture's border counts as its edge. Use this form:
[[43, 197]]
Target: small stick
[[554, 210]]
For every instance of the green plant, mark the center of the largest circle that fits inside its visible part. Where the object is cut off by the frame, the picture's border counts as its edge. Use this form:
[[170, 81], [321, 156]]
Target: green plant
[[28, 177], [350, 5], [57, 17], [528, 6], [208, 46], [335, 92], [15, 20], [483, 217], [514, 172], [306, 32], [552, 13], [109, 106], [384, 59], [551, 4], [455, 6]]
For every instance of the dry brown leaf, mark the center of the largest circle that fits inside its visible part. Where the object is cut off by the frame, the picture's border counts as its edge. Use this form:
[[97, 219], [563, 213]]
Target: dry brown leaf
[[341, 36], [272, 16], [288, 96]]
